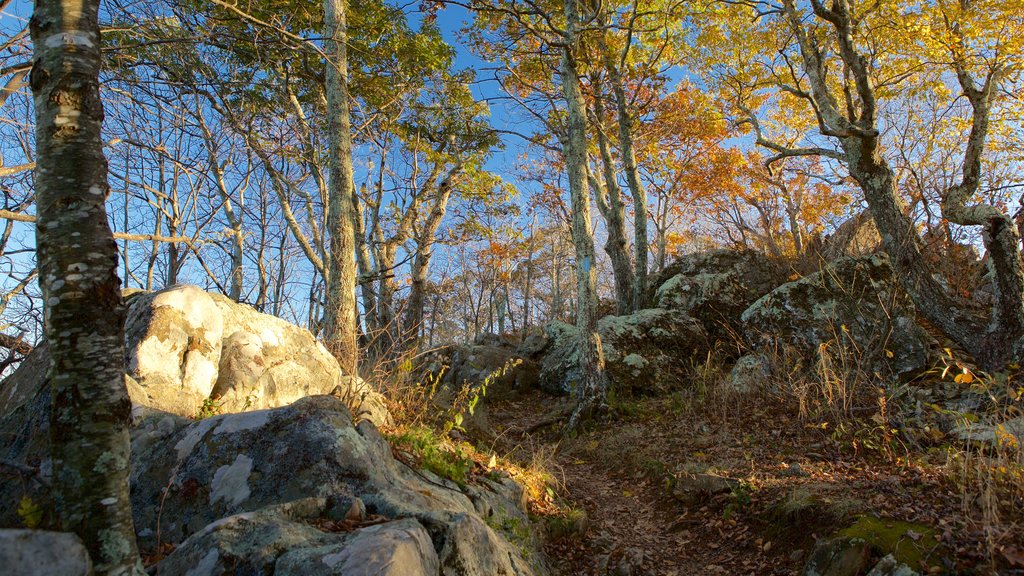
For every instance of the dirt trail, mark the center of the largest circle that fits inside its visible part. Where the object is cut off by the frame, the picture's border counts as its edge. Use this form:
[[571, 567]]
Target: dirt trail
[[797, 482]]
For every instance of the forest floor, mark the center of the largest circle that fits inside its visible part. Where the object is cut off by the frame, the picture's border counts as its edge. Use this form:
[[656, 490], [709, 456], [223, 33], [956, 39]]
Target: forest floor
[[621, 506]]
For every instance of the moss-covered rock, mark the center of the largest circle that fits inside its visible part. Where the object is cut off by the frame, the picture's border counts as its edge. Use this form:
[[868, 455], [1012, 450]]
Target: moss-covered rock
[[854, 303], [715, 287], [908, 543], [644, 352]]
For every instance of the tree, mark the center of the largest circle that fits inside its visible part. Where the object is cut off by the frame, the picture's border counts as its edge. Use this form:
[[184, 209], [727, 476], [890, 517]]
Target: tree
[[591, 391], [340, 309], [84, 309], [854, 67]]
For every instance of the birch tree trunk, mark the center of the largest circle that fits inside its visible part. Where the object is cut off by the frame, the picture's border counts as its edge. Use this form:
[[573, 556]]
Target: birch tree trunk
[[84, 317], [591, 391], [340, 328]]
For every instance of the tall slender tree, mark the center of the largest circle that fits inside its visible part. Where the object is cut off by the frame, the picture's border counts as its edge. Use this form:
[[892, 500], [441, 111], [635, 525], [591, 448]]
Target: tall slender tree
[[590, 392], [340, 310], [84, 319]]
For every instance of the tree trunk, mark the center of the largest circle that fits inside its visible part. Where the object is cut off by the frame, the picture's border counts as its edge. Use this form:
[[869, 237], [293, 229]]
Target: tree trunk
[[340, 306], [636, 189], [591, 391], [84, 317], [421, 261]]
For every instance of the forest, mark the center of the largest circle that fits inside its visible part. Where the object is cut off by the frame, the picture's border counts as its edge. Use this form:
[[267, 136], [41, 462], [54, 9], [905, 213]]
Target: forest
[[512, 287]]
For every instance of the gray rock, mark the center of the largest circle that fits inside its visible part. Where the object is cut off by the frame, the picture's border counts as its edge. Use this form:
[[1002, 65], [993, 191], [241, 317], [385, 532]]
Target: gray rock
[[242, 489], [1009, 432], [647, 351], [400, 548], [40, 553], [692, 489], [752, 372], [715, 287], [855, 303], [889, 566], [838, 557]]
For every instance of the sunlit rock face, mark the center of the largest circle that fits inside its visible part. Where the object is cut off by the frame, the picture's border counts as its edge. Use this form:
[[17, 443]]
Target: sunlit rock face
[[191, 351]]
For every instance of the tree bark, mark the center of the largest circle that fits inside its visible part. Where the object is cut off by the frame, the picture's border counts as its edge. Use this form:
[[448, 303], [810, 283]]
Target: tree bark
[[591, 391], [636, 188], [421, 260], [84, 316], [340, 329]]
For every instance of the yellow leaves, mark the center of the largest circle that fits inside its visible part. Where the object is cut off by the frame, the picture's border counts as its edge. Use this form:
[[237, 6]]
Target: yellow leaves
[[964, 377], [29, 512]]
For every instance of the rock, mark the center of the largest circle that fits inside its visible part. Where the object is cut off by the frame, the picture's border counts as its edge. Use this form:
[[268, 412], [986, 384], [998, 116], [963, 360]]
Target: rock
[[715, 287], [750, 373], [692, 489], [838, 557], [401, 548], [857, 236], [909, 543], [889, 566], [650, 350], [192, 351], [855, 303], [40, 553], [173, 346], [647, 351], [560, 363], [284, 540], [244, 489], [1007, 433]]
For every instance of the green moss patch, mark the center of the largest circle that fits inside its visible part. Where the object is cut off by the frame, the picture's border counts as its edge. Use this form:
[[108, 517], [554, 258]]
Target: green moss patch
[[909, 543]]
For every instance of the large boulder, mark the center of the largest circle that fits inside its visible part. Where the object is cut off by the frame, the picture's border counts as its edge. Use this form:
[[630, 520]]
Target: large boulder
[[648, 351], [854, 303], [191, 351], [299, 489], [715, 287]]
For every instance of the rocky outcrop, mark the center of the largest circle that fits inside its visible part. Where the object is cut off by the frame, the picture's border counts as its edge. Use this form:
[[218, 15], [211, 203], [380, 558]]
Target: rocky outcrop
[[715, 287], [508, 366], [647, 351], [189, 350], [299, 489], [854, 303]]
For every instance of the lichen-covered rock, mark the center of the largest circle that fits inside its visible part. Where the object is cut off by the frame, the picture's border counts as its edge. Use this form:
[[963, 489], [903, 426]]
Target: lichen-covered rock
[[646, 351], [651, 350], [41, 553], [283, 540], [750, 373], [560, 362], [838, 557], [715, 287], [189, 351], [244, 489], [855, 303]]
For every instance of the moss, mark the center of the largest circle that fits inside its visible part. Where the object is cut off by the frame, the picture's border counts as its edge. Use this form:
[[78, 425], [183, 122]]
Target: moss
[[909, 543], [449, 462], [571, 524]]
